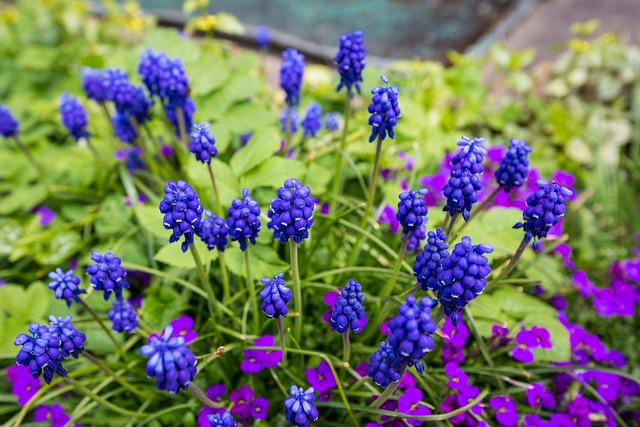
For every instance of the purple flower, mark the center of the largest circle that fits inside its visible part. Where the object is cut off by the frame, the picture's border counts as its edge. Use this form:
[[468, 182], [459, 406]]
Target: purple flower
[[537, 395], [300, 407], [409, 403], [561, 420], [583, 284], [526, 341], [214, 393], [40, 352], [564, 250], [123, 316], [325, 396], [65, 286], [242, 401], [457, 336], [275, 296], [23, 385], [93, 84], [291, 72], [466, 395], [347, 310], [256, 360], [73, 116], [259, 408], [384, 110], [53, 414], [388, 214], [243, 220], [182, 327], [458, 379], [505, 410], [8, 124], [542, 337], [321, 379], [532, 420], [224, 419], [45, 215], [351, 60], [312, 121], [107, 275], [203, 143], [182, 212], [558, 302], [452, 354]]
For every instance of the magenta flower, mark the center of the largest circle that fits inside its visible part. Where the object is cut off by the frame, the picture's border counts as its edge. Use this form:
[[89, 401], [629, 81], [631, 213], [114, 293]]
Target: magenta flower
[[259, 408], [214, 393], [242, 401], [361, 369], [532, 420], [409, 403], [466, 395], [538, 396], [526, 341], [23, 385], [325, 396], [583, 284], [182, 328], [407, 381], [542, 337], [458, 379], [256, 360], [505, 408], [564, 250], [388, 215], [457, 335], [566, 180], [452, 354], [53, 414], [321, 379]]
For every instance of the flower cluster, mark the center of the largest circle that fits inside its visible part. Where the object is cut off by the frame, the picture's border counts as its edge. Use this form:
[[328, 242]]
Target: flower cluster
[[71, 340], [257, 360], [348, 310], [243, 220], [182, 212], [128, 99], [528, 340], [213, 232], [183, 327], [428, 263], [123, 316], [164, 77], [203, 143], [411, 330], [412, 210], [384, 110], [40, 352], [333, 121], [93, 84], [107, 275], [383, 366], [330, 299], [218, 420], [312, 121], [23, 385], [291, 72], [291, 213], [514, 168], [8, 124], [73, 116], [275, 296], [65, 286], [351, 60], [123, 129], [245, 408], [170, 362], [300, 407]]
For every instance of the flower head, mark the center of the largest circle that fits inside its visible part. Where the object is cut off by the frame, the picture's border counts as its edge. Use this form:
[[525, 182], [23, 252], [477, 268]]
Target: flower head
[[214, 232], [537, 395], [351, 60], [456, 334], [259, 408], [214, 393], [470, 156], [107, 275], [262, 36], [312, 121], [409, 403], [241, 399], [300, 407], [123, 129], [321, 379], [170, 362], [458, 378], [291, 72], [243, 220], [93, 84], [292, 212], [123, 316], [411, 330], [54, 415], [257, 360], [506, 412], [347, 310], [384, 366], [384, 110], [461, 192], [463, 276], [526, 341], [415, 238], [275, 296], [289, 114], [545, 208], [23, 385], [183, 327], [40, 352], [65, 286], [203, 143], [412, 210], [73, 116], [8, 124], [333, 121], [164, 77], [221, 420], [185, 112], [71, 340], [182, 212], [514, 168]]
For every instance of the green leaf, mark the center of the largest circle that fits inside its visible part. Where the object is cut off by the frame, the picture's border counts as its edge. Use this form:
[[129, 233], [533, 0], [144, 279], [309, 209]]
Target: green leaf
[[161, 305], [172, 255], [249, 115], [19, 307], [21, 198], [113, 217], [262, 146], [207, 74], [264, 261], [494, 227], [519, 305], [226, 180], [150, 219], [273, 173], [10, 232]]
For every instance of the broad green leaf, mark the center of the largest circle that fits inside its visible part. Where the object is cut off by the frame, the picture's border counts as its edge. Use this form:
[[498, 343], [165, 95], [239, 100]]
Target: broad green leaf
[[262, 145], [150, 219], [172, 255], [226, 181], [161, 305], [561, 350], [247, 116], [264, 261], [10, 232], [207, 74], [520, 305], [273, 173], [494, 227], [19, 307], [113, 217], [21, 198]]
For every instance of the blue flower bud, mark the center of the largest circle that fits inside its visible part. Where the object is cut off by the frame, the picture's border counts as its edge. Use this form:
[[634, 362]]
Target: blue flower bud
[[275, 296], [411, 330], [203, 143], [73, 116], [291, 213], [429, 262], [384, 110], [347, 310], [8, 124], [262, 36], [221, 420], [214, 232], [383, 366], [514, 168], [300, 407], [412, 210], [182, 212]]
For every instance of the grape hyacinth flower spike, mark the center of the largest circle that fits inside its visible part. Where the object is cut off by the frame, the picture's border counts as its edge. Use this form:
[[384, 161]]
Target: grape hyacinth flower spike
[[300, 408], [65, 286], [291, 72], [275, 296], [351, 60], [221, 420], [384, 366], [428, 263], [203, 143], [123, 316], [73, 116], [291, 213], [40, 352], [384, 110], [182, 212], [107, 275], [243, 220], [71, 340], [214, 232], [312, 121], [514, 168], [9, 126], [93, 84], [348, 313]]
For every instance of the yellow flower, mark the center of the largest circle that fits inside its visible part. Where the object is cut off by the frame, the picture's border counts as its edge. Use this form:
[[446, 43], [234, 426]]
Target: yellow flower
[[8, 15], [579, 45], [205, 23]]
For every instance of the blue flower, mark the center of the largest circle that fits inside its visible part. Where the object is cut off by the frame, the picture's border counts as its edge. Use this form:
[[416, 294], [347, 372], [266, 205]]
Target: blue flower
[[203, 143], [333, 121], [463, 276], [300, 407], [544, 209], [129, 100], [221, 420], [107, 275], [384, 110], [123, 129], [461, 192], [312, 121], [123, 316], [293, 120], [182, 212], [73, 116], [415, 238], [348, 310], [429, 262], [188, 109], [291, 213], [40, 352], [8, 124], [470, 156], [412, 210], [214, 232], [71, 340], [131, 156], [275, 296], [411, 330], [173, 83], [149, 69], [170, 362], [244, 220], [93, 84], [514, 168], [65, 286], [262, 36], [291, 72], [383, 366], [351, 60]]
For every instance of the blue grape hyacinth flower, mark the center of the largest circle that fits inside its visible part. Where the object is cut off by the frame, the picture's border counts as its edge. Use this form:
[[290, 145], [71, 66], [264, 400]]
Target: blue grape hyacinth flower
[[203, 143], [383, 366], [40, 352], [411, 330], [412, 210], [463, 276], [170, 361], [65, 286], [128, 99], [300, 408], [514, 168], [415, 238], [347, 310], [428, 263], [73, 116], [244, 220], [471, 155], [71, 340], [312, 121], [221, 420], [384, 110], [123, 129], [333, 121], [291, 72], [275, 296], [461, 192], [93, 84], [8, 124], [351, 60], [123, 317], [290, 114], [545, 208], [188, 110], [149, 69], [214, 232], [262, 36], [107, 275], [182, 212], [291, 213]]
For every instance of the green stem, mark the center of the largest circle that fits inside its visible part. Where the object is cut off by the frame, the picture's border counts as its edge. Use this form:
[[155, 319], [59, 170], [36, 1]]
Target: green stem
[[215, 191], [347, 346], [112, 374], [389, 390], [282, 343], [252, 293], [514, 260], [451, 224], [182, 127], [203, 397], [297, 292], [80, 387], [225, 277], [92, 148], [388, 287], [287, 132], [30, 158], [104, 327], [211, 300], [337, 178], [482, 345]]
